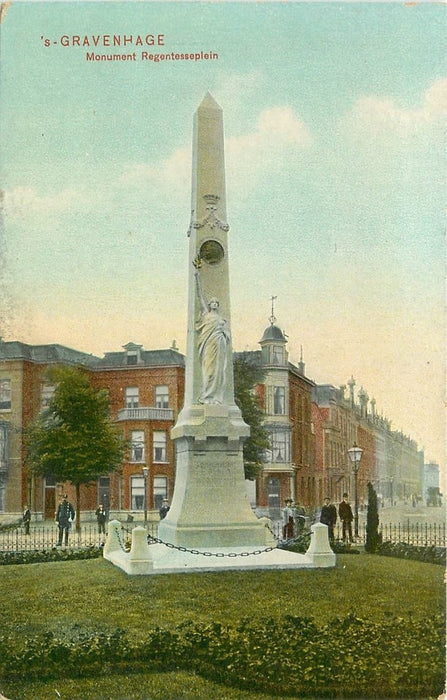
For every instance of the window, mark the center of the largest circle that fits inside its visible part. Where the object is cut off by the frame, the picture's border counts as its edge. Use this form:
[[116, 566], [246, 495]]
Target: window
[[136, 492], [46, 394], [277, 355], [132, 397], [2, 492], [161, 397], [137, 446], [3, 445], [159, 446], [280, 451], [160, 490], [279, 401], [132, 358], [5, 395], [104, 491]]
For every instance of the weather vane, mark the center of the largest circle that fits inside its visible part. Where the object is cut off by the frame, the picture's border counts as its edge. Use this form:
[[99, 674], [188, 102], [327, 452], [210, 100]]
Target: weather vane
[[272, 318]]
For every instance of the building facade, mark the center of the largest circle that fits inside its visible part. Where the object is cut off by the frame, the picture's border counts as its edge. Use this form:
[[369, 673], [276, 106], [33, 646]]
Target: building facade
[[310, 427]]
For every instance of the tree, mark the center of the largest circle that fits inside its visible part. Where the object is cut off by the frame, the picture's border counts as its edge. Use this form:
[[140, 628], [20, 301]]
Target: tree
[[246, 376], [373, 537], [74, 439]]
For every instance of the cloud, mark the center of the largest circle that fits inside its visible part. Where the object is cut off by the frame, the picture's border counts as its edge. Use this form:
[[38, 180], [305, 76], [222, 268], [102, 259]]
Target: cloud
[[374, 116], [234, 89], [278, 133], [280, 136], [23, 202], [174, 171]]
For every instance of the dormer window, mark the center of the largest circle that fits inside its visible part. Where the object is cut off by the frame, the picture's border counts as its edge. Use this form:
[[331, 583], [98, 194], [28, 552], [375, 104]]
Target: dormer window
[[133, 354]]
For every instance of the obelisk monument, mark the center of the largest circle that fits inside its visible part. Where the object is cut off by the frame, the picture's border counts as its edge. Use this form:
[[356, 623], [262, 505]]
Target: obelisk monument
[[210, 506]]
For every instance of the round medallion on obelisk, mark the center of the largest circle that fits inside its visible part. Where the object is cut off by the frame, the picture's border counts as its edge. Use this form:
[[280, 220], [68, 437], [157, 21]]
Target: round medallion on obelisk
[[211, 252]]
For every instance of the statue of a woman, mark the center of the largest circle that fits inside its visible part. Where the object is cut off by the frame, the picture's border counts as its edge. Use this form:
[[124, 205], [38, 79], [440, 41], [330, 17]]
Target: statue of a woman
[[213, 338]]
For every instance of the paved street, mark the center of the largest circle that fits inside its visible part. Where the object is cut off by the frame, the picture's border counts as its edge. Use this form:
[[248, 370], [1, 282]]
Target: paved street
[[401, 513]]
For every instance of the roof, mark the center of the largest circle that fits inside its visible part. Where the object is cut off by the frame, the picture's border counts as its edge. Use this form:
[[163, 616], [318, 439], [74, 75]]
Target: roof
[[149, 358], [273, 333], [254, 357], [53, 352]]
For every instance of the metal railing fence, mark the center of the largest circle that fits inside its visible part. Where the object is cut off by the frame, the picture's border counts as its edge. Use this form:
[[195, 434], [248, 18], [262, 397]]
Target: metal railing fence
[[46, 536], [418, 534]]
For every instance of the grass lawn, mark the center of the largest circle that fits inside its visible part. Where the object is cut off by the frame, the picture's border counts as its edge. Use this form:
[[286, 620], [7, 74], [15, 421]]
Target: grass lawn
[[97, 596]]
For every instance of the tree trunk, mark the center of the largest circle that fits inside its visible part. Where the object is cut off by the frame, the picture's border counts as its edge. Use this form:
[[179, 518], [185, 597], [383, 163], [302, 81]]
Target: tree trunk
[[78, 508]]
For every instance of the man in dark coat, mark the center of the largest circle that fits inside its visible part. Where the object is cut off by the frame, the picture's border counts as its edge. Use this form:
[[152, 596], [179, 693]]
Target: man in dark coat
[[101, 517], [26, 517], [64, 517], [328, 516], [164, 509], [346, 517]]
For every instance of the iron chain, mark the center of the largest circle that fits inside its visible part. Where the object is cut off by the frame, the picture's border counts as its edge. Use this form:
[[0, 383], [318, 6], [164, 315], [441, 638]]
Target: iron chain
[[156, 540]]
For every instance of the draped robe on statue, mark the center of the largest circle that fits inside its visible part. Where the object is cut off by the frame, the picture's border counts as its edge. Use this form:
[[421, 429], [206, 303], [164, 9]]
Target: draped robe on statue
[[212, 346]]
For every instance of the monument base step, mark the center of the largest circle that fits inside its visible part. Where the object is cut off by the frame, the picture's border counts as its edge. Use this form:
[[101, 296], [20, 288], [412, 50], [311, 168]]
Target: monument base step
[[165, 560]]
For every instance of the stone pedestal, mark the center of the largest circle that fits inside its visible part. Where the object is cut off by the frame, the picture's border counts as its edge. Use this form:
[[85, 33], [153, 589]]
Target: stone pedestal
[[320, 552], [210, 507]]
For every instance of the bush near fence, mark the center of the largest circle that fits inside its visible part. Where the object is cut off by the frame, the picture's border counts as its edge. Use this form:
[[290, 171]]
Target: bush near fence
[[36, 556], [402, 550], [293, 656]]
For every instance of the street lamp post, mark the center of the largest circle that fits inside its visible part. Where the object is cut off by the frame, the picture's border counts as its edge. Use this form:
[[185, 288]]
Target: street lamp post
[[355, 454], [145, 475]]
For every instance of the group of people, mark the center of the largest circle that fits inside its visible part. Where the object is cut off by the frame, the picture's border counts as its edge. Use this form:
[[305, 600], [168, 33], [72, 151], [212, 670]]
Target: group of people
[[292, 519], [328, 516], [64, 516]]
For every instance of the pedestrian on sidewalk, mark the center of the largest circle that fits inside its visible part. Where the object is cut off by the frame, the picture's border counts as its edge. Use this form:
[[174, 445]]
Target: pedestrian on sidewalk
[[328, 516], [287, 520], [64, 517], [346, 517], [26, 518], [101, 518]]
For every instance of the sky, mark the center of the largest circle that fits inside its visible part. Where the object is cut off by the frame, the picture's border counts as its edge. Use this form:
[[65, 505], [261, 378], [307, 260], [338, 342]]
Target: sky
[[335, 126]]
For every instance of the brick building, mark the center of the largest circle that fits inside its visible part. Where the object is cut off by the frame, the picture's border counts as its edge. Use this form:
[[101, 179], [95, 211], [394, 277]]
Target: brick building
[[391, 461], [311, 428], [285, 396], [24, 391], [146, 394]]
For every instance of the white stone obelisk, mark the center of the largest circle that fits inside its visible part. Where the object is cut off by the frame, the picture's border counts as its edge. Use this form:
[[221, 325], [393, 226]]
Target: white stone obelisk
[[210, 506]]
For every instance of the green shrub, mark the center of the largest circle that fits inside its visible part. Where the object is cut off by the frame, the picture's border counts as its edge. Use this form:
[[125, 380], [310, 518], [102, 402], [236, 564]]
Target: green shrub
[[373, 537], [346, 657], [45, 555], [301, 544], [402, 550]]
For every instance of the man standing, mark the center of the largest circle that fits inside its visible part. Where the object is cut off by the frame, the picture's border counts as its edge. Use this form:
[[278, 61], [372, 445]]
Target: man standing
[[164, 509], [346, 517], [26, 517], [287, 520], [101, 517], [328, 516], [64, 517]]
